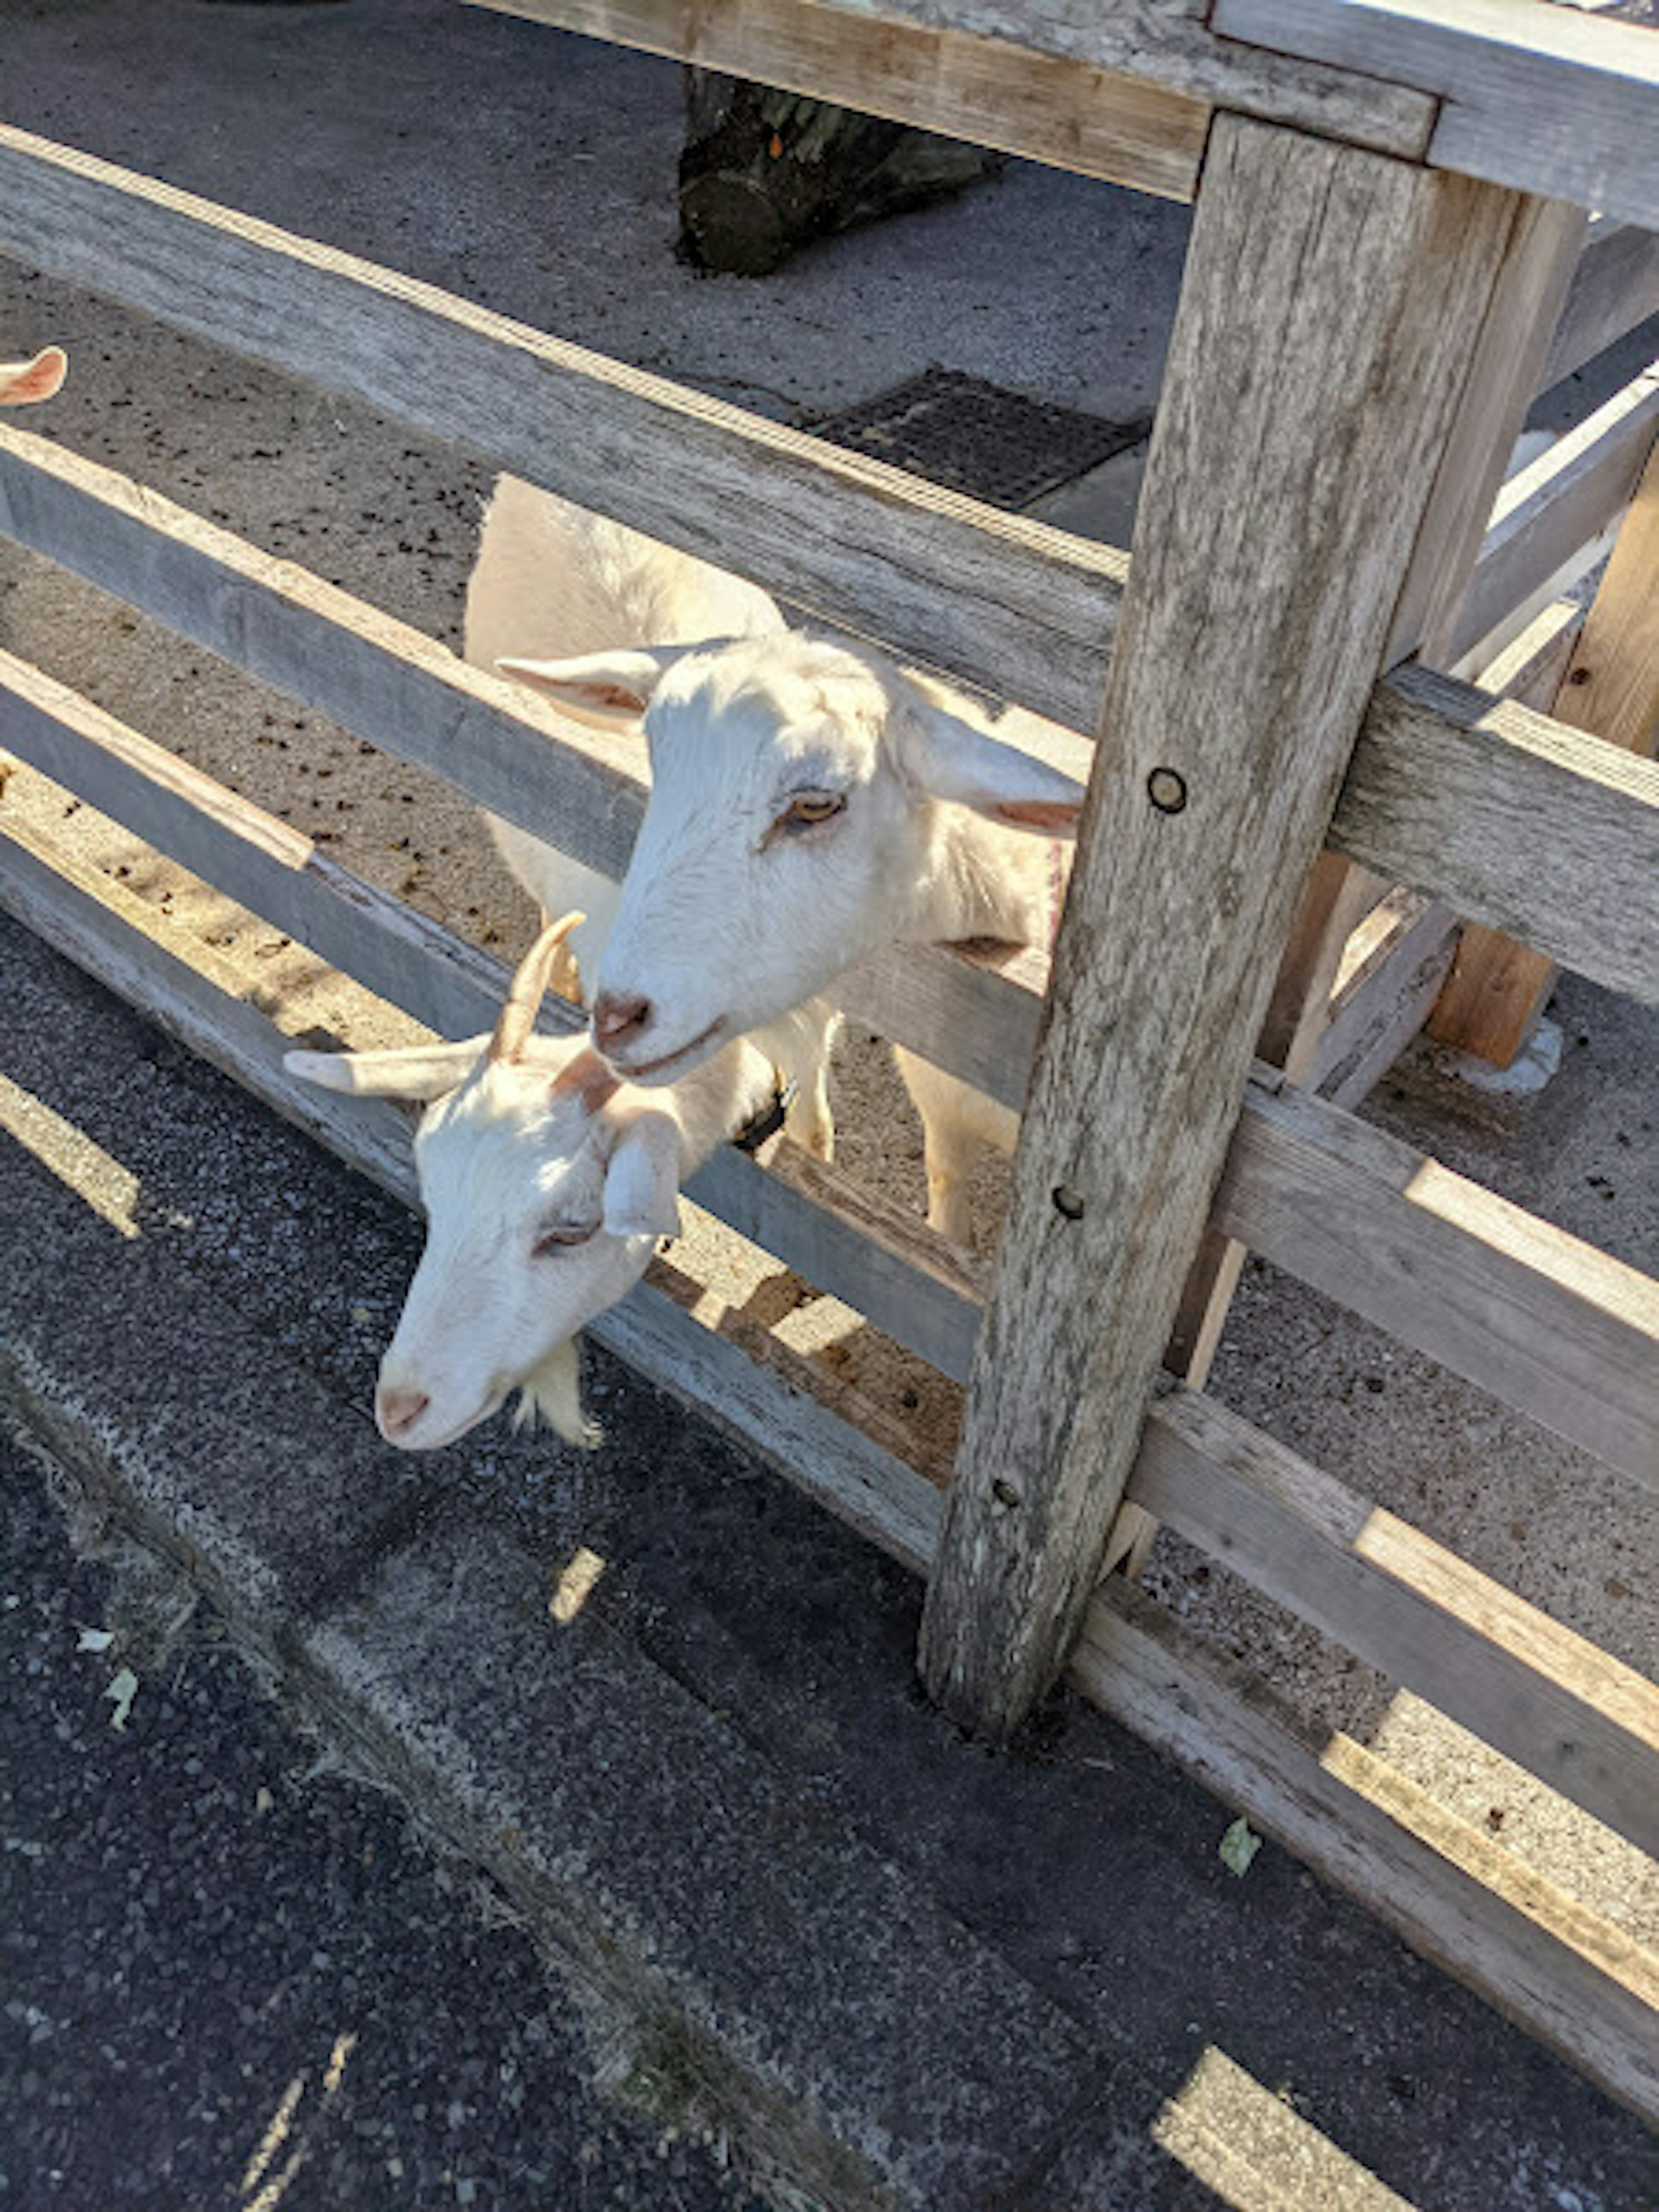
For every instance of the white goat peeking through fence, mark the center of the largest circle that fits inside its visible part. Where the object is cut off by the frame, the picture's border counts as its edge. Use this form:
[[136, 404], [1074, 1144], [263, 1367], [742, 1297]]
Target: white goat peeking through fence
[[547, 1181], [824, 804], [23, 382]]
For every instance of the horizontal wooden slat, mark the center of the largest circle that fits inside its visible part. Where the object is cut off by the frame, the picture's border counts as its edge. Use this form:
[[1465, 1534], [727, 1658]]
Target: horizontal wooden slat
[[122, 942], [904, 1280], [1570, 1978], [1569, 497], [1095, 122], [1615, 288], [1513, 819], [1544, 1321], [1544, 1697], [1549, 99], [1001, 600]]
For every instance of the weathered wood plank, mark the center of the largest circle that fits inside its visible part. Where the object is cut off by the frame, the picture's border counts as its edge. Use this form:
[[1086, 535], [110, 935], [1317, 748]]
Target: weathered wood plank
[[1571, 1979], [127, 945], [1330, 297], [998, 598], [1372, 1024], [1548, 98], [1611, 688], [1546, 1322], [1565, 499], [1498, 388], [1514, 820], [1097, 122], [1544, 1697], [1615, 288]]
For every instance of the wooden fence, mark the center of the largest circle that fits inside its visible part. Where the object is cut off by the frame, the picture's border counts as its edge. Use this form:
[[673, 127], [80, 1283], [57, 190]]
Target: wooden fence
[[1288, 815]]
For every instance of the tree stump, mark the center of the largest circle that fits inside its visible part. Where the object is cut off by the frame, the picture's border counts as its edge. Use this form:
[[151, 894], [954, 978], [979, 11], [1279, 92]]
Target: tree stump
[[764, 171]]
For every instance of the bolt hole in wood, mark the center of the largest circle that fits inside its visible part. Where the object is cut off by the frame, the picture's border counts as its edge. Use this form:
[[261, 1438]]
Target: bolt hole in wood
[[1166, 790], [1068, 1202], [1005, 1493]]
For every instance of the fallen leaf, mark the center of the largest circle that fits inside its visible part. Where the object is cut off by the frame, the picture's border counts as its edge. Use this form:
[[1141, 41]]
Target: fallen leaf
[[94, 1639], [1238, 1847], [121, 1692]]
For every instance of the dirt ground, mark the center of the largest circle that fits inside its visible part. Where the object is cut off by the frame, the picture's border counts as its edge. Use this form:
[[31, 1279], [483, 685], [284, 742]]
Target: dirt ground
[[394, 517]]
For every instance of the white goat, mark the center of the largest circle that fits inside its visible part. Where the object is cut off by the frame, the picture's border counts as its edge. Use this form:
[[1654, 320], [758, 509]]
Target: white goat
[[552, 577], [546, 1182], [823, 805], [23, 382]]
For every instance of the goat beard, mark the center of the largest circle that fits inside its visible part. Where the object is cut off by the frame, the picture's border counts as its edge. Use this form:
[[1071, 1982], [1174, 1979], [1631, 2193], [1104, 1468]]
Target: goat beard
[[551, 1395]]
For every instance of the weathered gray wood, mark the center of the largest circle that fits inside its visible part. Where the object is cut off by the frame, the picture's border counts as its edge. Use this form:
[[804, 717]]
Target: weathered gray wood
[[1571, 1979], [1614, 287], [998, 598], [1330, 297], [902, 1278], [122, 942], [1568, 497], [1501, 376], [1517, 821], [1371, 1024], [1549, 1699], [1093, 121], [509, 750], [1549, 99]]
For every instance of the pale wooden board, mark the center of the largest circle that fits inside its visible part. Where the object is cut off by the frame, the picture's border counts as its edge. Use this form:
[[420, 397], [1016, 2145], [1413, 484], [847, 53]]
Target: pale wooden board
[[1000, 599], [1498, 387], [1564, 1976], [1615, 288], [848, 1242], [1372, 1026], [1097, 122], [1168, 43], [1569, 497], [1548, 98], [1545, 1698], [1330, 299], [1514, 820], [1571, 1979], [1545, 1322]]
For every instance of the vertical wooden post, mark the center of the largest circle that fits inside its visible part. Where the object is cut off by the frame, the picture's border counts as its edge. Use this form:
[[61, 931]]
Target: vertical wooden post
[[1332, 302]]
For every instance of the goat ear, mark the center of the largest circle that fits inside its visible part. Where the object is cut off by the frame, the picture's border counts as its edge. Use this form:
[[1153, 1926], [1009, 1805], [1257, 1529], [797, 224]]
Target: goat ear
[[946, 756], [642, 1182], [606, 686], [22, 382], [419, 1071]]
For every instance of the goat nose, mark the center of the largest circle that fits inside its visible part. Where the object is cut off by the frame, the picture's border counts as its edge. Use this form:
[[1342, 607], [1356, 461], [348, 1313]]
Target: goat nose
[[398, 1410], [616, 1019]]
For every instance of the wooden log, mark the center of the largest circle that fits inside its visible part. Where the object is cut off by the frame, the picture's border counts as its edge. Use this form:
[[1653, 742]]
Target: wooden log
[[1499, 986], [1572, 1979], [763, 172], [1549, 99], [1580, 1721], [1329, 294], [1615, 288], [998, 598]]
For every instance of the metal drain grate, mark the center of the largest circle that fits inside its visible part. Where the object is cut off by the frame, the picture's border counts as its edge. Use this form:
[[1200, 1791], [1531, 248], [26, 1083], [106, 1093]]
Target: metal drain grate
[[975, 437]]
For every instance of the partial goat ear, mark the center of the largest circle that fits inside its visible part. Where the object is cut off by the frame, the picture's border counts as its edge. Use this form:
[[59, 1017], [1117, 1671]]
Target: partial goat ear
[[944, 755], [608, 686], [24, 381], [642, 1182], [418, 1072]]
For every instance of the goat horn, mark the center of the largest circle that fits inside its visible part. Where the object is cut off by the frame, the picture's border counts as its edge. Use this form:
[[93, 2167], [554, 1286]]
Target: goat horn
[[528, 989]]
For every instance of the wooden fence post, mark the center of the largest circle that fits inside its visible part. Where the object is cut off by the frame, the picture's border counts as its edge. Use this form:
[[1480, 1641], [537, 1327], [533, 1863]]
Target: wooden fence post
[[1333, 301]]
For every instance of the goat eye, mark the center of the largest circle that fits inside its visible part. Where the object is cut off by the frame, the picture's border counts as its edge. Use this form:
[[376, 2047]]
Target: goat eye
[[560, 1236], [808, 810]]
